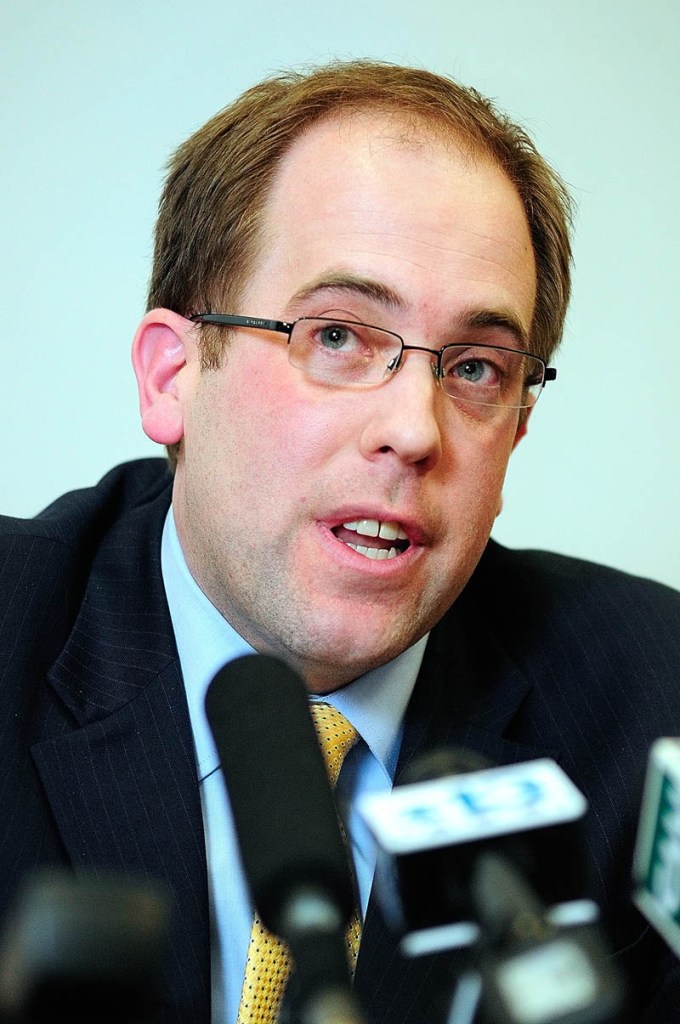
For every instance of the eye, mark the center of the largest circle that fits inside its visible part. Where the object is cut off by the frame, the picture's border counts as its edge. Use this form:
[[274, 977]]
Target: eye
[[336, 337], [475, 371]]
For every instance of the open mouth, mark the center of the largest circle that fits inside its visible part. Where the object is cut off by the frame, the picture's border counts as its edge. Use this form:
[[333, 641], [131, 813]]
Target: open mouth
[[373, 538]]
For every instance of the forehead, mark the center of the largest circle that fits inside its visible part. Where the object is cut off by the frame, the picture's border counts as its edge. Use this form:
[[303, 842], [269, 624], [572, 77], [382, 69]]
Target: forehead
[[376, 195]]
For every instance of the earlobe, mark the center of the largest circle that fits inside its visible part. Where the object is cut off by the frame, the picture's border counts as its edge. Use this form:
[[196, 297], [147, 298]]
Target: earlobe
[[158, 356]]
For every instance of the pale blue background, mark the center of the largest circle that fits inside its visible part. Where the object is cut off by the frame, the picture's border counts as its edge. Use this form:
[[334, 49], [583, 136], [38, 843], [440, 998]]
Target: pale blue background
[[95, 95]]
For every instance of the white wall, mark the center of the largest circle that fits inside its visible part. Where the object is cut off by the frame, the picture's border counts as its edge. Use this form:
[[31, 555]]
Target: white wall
[[94, 97]]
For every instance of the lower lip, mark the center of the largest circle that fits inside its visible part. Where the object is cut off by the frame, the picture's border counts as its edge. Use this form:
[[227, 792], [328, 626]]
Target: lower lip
[[347, 556]]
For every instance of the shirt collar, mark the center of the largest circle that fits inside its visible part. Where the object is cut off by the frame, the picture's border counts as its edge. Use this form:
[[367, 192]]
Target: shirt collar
[[374, 704]]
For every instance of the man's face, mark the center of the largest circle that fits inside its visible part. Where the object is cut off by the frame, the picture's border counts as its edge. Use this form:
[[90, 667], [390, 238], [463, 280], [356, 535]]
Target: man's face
[[367, 223]]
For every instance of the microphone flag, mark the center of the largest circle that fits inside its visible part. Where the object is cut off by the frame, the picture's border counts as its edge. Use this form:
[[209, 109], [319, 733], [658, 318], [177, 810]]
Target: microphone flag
[[656, 866]]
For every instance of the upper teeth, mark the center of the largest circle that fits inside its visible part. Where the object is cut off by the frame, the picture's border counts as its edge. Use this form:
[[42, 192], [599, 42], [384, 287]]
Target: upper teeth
[[374, 528]]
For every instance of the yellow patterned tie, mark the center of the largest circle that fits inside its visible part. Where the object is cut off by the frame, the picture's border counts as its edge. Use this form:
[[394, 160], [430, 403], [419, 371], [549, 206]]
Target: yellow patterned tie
[[268, 964]]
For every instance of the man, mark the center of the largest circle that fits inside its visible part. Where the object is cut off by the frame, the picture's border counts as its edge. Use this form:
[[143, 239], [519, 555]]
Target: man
[[360, 277]]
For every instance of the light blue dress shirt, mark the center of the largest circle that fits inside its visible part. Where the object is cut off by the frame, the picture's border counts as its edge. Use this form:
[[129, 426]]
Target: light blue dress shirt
[[374, 704]]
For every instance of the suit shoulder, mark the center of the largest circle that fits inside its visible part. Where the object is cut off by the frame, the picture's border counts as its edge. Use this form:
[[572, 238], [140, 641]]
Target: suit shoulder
[[563, 598], [72, 517], [547, 575], [53, 551], [45, 562]]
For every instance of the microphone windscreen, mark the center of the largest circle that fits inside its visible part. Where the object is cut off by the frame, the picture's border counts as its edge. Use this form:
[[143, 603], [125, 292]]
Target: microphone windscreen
[[82, 949], [283, 806]]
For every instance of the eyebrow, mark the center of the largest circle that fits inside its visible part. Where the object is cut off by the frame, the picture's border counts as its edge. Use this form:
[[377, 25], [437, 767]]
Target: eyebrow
[[355, 284], [501, 318], [376, 291]]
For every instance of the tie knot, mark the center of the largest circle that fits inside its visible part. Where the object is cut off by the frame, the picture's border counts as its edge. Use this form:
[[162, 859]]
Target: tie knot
[[336, 736]]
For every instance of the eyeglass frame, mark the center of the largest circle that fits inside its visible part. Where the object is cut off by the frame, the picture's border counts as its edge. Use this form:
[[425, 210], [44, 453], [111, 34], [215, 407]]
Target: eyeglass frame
[[286, 327]]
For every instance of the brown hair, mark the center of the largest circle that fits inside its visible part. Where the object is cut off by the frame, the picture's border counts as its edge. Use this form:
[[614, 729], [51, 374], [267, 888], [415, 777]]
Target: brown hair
[[215, 196]]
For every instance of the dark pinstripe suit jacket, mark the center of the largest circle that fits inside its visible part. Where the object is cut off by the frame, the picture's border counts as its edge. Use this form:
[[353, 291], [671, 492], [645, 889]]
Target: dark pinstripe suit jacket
[[541, 655]]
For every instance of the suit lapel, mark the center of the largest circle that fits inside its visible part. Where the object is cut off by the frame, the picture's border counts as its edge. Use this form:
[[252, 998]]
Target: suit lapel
[[122, 786], [468, 693]]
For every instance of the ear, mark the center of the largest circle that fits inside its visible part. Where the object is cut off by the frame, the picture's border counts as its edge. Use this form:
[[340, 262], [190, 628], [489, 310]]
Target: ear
[[159, 354], [522, 426]]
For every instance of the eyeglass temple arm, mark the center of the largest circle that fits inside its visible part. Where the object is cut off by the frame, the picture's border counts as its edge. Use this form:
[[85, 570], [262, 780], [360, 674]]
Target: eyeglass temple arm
[[227, 320]]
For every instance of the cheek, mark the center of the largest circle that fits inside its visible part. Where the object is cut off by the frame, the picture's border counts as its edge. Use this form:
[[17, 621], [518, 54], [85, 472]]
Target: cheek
[[479, 467], [487, 444], [303, 423], [279, 443]]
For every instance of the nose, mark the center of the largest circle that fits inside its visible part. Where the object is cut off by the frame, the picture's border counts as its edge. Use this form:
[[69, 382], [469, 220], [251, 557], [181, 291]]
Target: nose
[[406, 414]]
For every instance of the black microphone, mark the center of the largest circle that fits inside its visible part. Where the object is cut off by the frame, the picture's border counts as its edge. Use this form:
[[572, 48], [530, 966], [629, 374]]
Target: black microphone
[[294, 856], [491, 859], [449, 806], [83, 949]]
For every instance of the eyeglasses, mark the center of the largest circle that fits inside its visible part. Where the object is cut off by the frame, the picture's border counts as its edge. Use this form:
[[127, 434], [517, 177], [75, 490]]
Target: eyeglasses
[[342, 353]]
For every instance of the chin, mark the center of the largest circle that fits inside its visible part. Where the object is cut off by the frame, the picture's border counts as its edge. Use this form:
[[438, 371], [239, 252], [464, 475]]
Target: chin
[[330, 667]]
